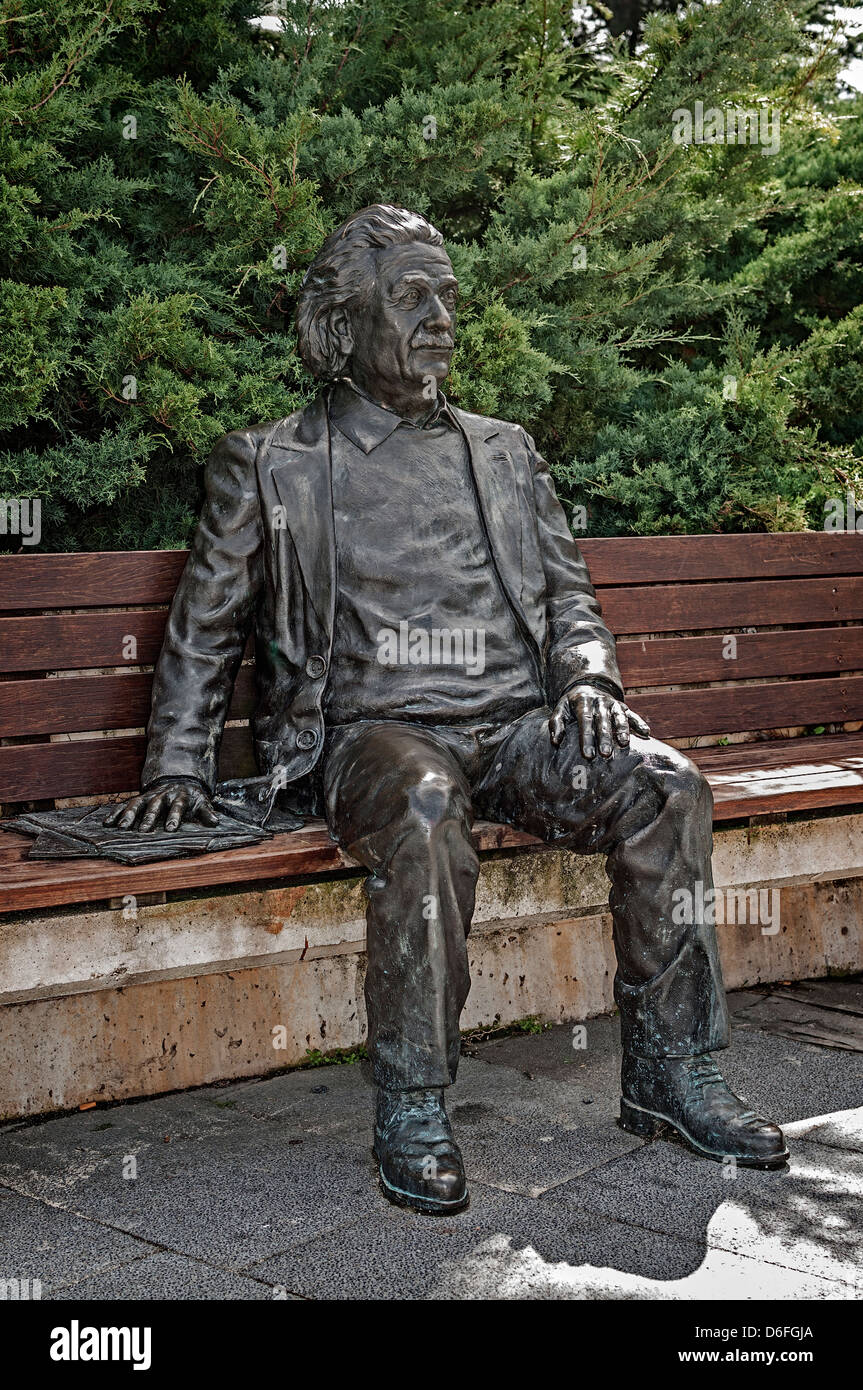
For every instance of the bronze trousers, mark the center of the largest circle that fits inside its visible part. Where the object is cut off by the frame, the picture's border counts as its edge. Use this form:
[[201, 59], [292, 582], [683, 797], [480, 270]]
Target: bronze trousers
[[401, 798]]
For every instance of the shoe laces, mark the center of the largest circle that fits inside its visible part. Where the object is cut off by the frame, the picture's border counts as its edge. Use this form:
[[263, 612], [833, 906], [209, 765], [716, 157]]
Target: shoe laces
[[421, 1104], [426, 1103], [705, 1072]]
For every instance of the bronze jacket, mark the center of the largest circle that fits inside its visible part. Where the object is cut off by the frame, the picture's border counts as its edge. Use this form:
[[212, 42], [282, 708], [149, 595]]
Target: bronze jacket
[[263, 559]]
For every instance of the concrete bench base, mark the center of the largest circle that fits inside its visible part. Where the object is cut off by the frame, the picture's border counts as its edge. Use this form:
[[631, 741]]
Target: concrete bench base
[[135, 998]]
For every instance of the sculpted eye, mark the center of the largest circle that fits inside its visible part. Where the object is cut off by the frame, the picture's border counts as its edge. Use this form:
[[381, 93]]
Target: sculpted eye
[[410, 299], [450, 298]]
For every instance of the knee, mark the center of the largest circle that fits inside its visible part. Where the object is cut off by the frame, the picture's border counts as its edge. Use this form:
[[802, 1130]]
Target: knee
[[678, 777], [436, 798]]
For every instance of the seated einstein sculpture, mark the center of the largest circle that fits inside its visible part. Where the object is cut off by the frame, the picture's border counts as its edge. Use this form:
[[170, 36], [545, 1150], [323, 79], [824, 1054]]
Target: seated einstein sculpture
[[430, 648]]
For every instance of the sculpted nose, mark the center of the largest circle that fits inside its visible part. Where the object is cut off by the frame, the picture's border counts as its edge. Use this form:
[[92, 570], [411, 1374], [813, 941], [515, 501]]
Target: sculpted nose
[[438, 315]]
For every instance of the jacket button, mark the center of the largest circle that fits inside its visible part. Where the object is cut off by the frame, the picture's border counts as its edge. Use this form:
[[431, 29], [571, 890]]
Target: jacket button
[[315, 667], [306, 738]]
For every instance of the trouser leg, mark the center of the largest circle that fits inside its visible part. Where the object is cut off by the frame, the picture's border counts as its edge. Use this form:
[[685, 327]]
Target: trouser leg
[[398, 801], [649, 810]]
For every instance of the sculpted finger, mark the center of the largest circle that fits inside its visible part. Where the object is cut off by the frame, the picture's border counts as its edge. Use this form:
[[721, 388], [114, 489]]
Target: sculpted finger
[[115, 813], [603, 725], [205, 813], [557, 722], [641, 727], [585, 710], [153, 811], [177, 810], [621, 724], [130, 813]]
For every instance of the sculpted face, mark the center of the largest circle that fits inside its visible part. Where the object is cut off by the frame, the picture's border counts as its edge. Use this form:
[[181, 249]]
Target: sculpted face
[[402, 338]]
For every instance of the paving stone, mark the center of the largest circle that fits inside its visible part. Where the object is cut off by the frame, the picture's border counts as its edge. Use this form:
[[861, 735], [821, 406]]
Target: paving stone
[[841, 1130], [789, 1080], [326, 1102], [167, 1276], [531, 1154], [194, 1115], [53, 1246], [594, 1063], [585, 1093], [229, 1200], [501, 1268]]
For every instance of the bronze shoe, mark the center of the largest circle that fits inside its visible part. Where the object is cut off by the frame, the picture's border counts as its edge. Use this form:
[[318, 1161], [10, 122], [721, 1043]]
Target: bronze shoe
[[420, 1163], [691, 1095]]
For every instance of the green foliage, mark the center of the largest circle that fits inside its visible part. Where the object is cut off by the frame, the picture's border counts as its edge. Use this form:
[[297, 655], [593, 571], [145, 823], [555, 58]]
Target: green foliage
[[338, 1057], [678, 326]]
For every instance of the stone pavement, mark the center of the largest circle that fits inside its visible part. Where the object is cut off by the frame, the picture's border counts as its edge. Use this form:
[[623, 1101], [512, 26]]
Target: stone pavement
[[266, 1189]]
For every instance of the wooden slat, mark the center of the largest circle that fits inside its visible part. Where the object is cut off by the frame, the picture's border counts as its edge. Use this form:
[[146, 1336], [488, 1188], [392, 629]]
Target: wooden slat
[[74, 641], [101, 579], [89, 704], [32, 883], [82, 704], [69, 642], [682, 660], [105, 767], [649, 559], [41, 883], [95, 767], [138, 577], [745, 708], [793, 791], [779, 752], [795, 774], [688, 607]]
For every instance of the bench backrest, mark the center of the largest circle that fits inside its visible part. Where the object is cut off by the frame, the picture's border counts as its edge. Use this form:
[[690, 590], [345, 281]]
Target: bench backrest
[[79, 632]]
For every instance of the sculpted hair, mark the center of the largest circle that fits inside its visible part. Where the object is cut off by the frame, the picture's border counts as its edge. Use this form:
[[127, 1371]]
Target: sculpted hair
[[339, 277]]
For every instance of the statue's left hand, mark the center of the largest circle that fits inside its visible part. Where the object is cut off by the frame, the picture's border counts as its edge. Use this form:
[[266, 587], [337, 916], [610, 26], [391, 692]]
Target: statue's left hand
[[600, 718]]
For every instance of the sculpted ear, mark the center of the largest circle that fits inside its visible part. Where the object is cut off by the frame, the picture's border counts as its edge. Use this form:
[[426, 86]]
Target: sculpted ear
[[337, 339], [342, 331], [325, 338]]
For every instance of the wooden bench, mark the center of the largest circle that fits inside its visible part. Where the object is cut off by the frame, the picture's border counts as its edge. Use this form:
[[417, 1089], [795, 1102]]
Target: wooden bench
[[718, 636], [118, 982]]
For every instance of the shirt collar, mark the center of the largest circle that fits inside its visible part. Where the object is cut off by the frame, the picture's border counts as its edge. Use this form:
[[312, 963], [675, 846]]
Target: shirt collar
[[368, 424]]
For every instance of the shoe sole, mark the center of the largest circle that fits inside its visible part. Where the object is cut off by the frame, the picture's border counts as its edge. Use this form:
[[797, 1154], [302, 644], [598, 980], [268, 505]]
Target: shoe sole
[[650, 1124], [427, 1206]]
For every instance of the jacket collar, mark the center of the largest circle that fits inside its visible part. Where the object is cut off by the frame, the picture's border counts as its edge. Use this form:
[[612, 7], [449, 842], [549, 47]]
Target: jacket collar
[[302, 475], [367, 424]]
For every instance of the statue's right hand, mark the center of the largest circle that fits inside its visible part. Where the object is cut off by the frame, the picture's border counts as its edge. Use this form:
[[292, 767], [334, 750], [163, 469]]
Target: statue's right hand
[[180, 799]]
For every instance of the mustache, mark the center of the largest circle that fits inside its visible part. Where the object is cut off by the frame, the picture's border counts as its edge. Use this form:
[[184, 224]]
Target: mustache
[[429, 340]]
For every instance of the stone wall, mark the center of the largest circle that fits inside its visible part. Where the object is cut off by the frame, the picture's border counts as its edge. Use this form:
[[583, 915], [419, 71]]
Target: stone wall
[[134, 998]]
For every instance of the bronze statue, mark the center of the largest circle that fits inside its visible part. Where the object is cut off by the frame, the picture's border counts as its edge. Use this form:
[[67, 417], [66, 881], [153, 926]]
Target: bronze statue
[[429, 648]]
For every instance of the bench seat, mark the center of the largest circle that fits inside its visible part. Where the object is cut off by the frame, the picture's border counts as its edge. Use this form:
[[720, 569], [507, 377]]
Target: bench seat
[[747, 780]]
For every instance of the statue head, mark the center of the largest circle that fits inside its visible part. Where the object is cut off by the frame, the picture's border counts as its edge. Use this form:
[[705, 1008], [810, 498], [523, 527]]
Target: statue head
[[378, 304]]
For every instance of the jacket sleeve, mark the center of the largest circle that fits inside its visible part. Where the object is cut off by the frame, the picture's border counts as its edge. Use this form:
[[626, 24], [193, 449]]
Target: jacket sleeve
[[209, 621], [579, 649]]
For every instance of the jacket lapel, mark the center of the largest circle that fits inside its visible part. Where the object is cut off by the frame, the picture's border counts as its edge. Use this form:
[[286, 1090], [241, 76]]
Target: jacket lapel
[[499, 498], [302, 477]]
